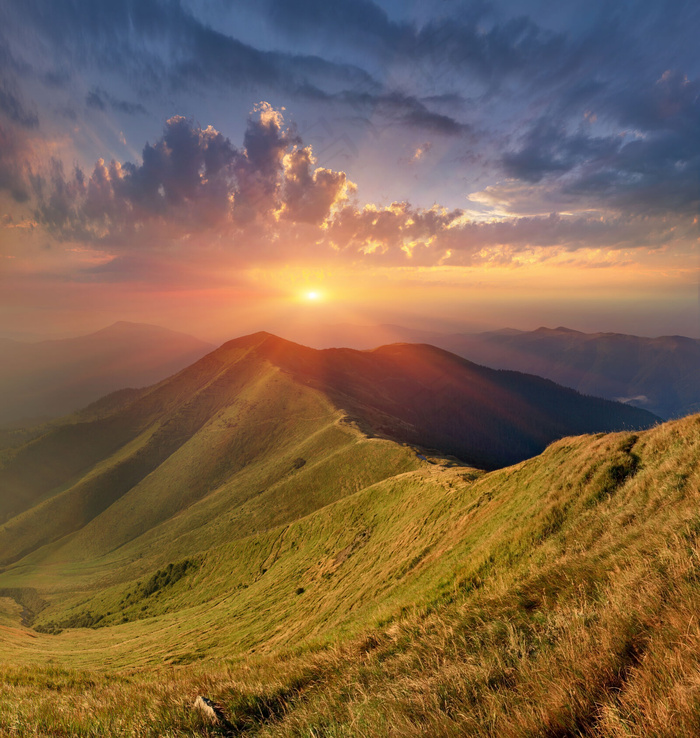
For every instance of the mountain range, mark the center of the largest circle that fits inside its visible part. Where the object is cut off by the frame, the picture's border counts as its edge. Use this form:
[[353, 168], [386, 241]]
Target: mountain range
[[271, 529], [661, 374], [138, 457]]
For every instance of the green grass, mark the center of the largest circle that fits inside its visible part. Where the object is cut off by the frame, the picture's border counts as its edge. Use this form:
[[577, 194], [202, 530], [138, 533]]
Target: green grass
[[557, 597]]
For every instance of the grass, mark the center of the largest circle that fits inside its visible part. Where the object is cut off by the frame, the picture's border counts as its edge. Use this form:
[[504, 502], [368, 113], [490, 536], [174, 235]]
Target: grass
[[557, 597]]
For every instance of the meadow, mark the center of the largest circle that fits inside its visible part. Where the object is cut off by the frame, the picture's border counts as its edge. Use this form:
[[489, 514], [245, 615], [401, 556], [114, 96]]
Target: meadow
[[555, 597]]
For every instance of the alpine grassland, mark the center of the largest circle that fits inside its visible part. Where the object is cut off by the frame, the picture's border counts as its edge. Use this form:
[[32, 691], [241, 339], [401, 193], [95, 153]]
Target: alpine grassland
[[555, 597], [237, 534]]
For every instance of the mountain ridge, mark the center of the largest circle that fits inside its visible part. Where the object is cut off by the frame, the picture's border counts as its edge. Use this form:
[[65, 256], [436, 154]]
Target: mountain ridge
[[660, 374], [201, 431]]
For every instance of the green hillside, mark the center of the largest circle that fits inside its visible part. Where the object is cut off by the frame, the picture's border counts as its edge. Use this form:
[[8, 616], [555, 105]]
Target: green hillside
[[556, 597], [232, 533]]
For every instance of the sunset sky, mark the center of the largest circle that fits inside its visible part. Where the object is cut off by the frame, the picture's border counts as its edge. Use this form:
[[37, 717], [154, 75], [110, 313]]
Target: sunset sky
[[206, 165]]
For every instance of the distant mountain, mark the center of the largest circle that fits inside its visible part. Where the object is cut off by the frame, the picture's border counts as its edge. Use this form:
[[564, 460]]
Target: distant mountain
[[661, 374], [41, 381], [264, 427]]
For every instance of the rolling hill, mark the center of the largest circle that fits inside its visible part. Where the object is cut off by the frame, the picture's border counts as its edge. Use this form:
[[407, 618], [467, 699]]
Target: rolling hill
[[661, 374], [48, 379], [243, 427], [555, 597]]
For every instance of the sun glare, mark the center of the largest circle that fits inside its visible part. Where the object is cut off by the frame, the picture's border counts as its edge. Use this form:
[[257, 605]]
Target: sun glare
[[312, 295]]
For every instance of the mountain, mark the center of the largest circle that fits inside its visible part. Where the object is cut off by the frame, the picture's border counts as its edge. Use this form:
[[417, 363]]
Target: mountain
[[556, 597], [661, 375], [256, 433], [423, 395], [41, 381]]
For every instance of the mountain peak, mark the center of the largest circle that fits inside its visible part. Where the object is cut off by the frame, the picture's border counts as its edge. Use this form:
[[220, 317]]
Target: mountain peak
[[558, 329]]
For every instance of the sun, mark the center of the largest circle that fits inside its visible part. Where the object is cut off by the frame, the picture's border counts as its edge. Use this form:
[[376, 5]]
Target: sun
[[312, 295]]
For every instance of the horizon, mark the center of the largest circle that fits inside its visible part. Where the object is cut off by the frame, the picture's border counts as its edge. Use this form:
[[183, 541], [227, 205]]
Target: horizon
[[280, 332], [221, 170]]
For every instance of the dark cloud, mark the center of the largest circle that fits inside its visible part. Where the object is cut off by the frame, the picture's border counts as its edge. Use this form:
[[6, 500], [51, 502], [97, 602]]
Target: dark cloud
[[548, 148], [13, 108], [660, 174], [467, 37], [183, 177], [651, 161], [101, 99], [14, 162], [358, 22], [168, 49], [670, 103], [94, 100], [394, 108]]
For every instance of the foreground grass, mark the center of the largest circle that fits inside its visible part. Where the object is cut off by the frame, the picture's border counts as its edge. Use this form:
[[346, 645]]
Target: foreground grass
[[556, 598]]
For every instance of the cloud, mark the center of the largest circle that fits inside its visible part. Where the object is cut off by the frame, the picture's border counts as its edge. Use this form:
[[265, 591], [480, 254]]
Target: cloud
[[403, 234], [268, 201], [465, 38], [421, 151], [310, 194], [651, 162], [12, 107], [548, 148], [100, 99], [14, 162], [170, 51], [193, 180], [395, 108]]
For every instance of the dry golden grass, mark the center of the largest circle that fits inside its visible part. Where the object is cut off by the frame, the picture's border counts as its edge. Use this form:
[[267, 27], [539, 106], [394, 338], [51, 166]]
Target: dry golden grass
[[559, 598]]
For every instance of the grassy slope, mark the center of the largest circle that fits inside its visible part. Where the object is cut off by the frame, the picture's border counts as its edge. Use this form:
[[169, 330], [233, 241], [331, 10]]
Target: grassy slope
[[557, 597], [229, 430], [216, 447]]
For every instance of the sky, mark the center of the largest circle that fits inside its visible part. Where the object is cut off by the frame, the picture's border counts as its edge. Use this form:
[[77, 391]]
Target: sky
[[221, 167]]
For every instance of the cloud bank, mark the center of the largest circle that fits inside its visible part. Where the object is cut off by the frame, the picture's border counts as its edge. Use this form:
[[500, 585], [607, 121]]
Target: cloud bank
[[267, 201]]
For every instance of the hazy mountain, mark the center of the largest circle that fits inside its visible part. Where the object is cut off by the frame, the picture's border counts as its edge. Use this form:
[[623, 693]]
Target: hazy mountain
[[661, 374], [40, 381]]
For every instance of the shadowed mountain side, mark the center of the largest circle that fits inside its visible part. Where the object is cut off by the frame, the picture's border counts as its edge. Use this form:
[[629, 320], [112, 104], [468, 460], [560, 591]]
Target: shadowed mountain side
[[661, 374], [424, 395], [40, 381]]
